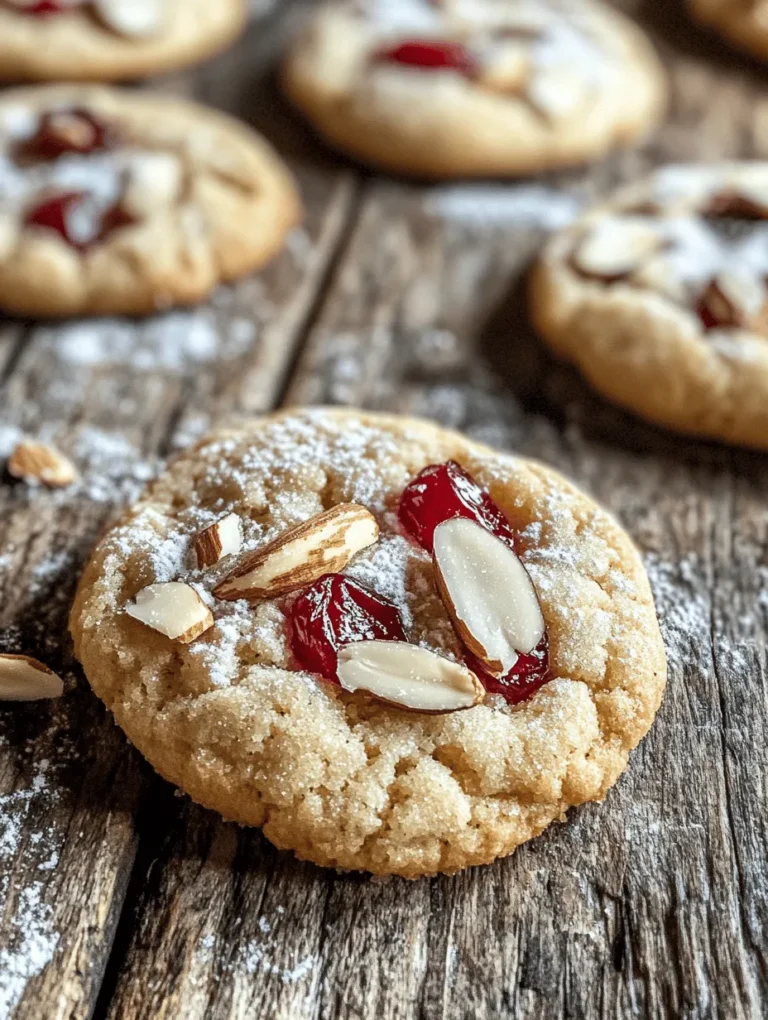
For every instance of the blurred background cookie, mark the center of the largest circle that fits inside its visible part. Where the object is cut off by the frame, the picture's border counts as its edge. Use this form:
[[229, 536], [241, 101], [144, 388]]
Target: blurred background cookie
[[743, 22], [482, 89], [659, 296], [120, 202], [104, 40]]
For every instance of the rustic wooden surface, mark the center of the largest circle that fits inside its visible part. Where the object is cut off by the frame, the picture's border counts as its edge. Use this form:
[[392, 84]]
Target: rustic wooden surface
[[121, 900]]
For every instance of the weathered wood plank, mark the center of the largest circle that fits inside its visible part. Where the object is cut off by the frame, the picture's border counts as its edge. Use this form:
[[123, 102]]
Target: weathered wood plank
[[114, 394], [652, 904]]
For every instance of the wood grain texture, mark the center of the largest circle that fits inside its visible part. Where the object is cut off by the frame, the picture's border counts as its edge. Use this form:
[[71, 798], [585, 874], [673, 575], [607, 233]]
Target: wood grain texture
[[653, 904]]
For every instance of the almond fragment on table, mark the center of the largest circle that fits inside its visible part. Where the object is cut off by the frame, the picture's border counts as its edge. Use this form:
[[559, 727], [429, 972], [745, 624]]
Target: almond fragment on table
[[23, 678], [222, 538], [172, 608], [38, 463], [408, 676], [322, 545], [488, 594]]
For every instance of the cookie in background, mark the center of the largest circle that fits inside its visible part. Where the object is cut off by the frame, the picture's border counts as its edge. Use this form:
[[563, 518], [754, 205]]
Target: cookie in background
[[109, 40], [474, 89], [117, 202]]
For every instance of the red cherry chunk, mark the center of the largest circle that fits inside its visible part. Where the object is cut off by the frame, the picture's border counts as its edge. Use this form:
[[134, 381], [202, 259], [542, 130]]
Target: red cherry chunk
[[337, 611], [43, 8], [431, 55], [529, 673], [76, 217], [441, 492], [68, 131]]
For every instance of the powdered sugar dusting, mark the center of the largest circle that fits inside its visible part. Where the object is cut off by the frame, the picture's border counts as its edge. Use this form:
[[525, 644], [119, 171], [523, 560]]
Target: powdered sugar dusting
[[487, 205]]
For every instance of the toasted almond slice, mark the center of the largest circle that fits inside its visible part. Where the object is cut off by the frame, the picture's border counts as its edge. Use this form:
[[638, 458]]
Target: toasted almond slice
[[408, 676], [223, 538], [154, 182], [37, 463], [616, 247], [736, 301], [23, 678], [322, 545], [487, 592], [660, 276], [507, 72], [132, 18], [556, 92], [173, 608]]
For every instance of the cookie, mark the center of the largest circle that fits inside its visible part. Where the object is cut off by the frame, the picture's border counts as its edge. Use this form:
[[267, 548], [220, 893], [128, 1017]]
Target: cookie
[[744, 23], [293, 626], [467, 88], [105, 40], [659, 297], [124, 203]]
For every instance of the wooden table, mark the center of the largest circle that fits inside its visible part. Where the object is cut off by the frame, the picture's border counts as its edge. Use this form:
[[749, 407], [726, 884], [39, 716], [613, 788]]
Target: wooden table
[[120, 899]]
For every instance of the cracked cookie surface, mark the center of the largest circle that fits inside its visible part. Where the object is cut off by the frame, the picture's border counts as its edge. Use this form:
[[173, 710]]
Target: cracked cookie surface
[[174, 199], [341, 779], [660, 297], [474, 87], [104, 40]]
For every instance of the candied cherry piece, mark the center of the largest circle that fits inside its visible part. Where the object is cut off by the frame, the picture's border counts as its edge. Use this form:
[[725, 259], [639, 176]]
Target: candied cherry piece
[[441, 492], [75, 217], [529, 673], [430, 55], [42, 8], [337, 611], [75, 130]]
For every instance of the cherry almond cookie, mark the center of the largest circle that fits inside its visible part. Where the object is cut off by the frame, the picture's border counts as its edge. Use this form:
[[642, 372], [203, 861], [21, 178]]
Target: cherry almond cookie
[[394, 649], [123, 203], [660, 297], [461, 88], [105, 40]]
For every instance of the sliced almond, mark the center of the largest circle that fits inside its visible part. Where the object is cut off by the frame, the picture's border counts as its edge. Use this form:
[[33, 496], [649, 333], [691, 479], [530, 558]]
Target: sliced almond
[[154, 182], [556, 92], [615, 248], [37, 463], [324, 544], [736, 301], [132, 18], [507, 72], [224, 538], [23, 678], [173, 608], [487, 592], [408, 676]]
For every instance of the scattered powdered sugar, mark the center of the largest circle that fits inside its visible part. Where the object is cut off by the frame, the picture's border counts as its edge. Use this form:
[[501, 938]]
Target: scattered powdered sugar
[[30, 938], [384, 568], [488, 205]]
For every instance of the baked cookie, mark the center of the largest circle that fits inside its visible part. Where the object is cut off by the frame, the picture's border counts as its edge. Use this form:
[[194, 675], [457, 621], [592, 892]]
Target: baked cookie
[[462, 88], [659, 296], [123, 202], [321, 624], [743, 22], [106, 40]]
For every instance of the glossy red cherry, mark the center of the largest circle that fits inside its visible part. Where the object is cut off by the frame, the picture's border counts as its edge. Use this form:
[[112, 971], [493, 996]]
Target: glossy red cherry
[[441, 492], [68, 131], [43, 8], [74, 216], [530, 672], [431, 55], [336, 611]]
